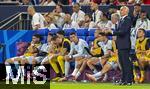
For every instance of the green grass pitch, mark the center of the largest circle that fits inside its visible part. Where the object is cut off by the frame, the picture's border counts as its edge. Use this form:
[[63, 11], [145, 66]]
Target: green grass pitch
[[3, 85], [72, 85], [69, 85]]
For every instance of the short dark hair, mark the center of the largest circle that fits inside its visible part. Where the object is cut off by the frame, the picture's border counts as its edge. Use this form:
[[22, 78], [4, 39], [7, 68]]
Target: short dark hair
[[60, 5], [38, 36], [137, 4], [54, 38], [61, 32], [105, 15], [72, 33], [142, 29], [102, 33], [143, 11], [77, 4]]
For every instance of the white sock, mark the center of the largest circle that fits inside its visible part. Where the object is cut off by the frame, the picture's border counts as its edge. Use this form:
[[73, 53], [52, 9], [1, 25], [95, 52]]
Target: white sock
[[105, 77], [78, 74], [19, 72], [74, 72], [97, 75], [8, 69], [67, 67], [22, 69]]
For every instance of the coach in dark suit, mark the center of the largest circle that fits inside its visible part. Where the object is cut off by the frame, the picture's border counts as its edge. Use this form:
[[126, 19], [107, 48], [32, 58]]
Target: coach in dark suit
[[123, 45]]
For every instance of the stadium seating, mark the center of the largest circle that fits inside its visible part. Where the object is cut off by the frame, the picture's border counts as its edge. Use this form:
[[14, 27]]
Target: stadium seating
[[110, 37], [89, 39], [68, 31], [43, 32], [54, 31], [148, 33], [82, 32], [91, 31], [82, 37], [44, 39]]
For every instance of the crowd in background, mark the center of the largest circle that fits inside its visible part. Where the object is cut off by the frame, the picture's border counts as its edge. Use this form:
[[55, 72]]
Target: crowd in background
[[82, 2], [79, 19]]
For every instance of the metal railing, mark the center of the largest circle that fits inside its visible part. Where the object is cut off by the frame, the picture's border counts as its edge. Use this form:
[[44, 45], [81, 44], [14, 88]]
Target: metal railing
[[21, 21], [7, 19], [9, 2]]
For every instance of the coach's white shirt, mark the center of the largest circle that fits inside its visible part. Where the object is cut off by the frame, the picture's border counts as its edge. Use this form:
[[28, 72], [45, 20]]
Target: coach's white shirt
[[114, 26], [77, 17], [79, 48], [97, 16], [105, 46], [37, 19]]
